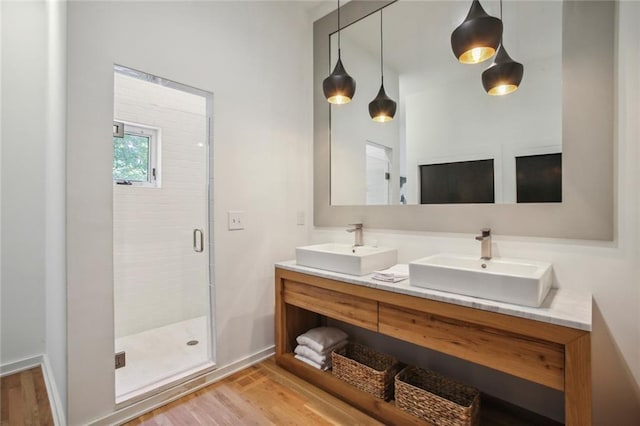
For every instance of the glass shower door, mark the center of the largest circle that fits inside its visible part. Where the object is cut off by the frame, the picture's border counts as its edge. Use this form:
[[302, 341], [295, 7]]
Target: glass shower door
[[161, 233]]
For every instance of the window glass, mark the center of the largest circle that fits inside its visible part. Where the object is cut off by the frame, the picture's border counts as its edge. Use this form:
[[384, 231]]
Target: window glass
[[131, 158]]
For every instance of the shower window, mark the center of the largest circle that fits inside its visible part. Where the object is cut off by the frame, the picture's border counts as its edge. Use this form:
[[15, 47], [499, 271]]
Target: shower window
[[135, 156]]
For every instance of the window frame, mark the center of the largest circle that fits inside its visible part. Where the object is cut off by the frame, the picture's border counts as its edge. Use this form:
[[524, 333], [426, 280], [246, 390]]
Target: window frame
[[153, 164]]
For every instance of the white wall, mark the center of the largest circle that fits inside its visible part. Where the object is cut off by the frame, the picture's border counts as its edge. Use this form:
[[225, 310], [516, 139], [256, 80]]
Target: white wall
[[610, 271], [256, 58], [24, 84], [33, 186], [352, 126], [158, 278]]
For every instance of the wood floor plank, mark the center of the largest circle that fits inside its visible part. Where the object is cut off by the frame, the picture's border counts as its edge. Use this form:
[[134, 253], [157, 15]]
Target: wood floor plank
[[29, 402], [16, 407], [231, 405], [45, 414], [24, 399], [4, 402], [14, 414]]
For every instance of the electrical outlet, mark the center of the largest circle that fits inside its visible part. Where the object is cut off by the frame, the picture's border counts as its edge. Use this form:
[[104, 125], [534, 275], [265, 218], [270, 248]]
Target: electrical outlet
[[300, 217], [236, 220]]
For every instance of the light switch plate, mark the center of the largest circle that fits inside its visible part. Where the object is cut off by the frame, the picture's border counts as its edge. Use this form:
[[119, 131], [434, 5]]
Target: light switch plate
[[236, 220]]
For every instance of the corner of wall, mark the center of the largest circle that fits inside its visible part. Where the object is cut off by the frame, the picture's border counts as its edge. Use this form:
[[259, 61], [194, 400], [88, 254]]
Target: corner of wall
[[56, 401]]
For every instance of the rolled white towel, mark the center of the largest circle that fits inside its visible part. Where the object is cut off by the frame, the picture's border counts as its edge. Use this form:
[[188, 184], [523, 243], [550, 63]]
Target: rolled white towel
[[394, 274], [322, 338], [319, 357], [323, 367]]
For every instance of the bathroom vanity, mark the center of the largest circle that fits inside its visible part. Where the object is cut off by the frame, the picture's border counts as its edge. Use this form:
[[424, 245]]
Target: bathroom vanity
[[550, 345]]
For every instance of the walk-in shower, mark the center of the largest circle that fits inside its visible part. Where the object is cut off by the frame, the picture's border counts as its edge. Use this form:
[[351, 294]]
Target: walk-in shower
[[162, 244]]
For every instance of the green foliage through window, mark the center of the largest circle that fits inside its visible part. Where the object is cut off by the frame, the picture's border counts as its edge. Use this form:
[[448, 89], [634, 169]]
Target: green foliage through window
[[131, 158]]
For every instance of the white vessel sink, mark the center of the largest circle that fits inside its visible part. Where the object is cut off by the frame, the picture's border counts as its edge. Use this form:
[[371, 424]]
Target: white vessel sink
[[345, 258], [523, 282]]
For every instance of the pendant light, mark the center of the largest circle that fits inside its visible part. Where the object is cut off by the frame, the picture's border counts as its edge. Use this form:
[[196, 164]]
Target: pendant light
[[382, 108], [478, 37], [339, 87], [504, 75]]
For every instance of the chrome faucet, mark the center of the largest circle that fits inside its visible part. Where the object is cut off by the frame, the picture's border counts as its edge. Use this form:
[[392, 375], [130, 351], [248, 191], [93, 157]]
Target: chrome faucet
[[357, 228], [485, 238]]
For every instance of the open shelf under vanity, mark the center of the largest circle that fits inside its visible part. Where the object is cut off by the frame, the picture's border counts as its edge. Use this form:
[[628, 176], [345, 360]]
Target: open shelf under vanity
[[549, 354], [493, 411]]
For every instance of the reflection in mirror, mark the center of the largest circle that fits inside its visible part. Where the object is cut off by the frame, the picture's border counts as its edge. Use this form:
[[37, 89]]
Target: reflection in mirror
[[444, 115]]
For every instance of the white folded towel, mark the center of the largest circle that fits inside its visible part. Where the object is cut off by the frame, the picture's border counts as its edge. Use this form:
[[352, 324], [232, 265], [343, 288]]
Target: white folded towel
[[319, 357], [322, 338], [313, 363], [394, 274]]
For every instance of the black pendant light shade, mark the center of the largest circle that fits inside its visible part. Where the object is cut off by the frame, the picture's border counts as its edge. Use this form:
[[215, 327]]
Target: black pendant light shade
[[339, 87], [382, 108], [503, 76], [478, 37]]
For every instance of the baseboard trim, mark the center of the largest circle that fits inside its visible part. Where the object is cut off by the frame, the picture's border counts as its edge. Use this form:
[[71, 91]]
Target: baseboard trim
[[23, 364], [57, 410], [163, 398]]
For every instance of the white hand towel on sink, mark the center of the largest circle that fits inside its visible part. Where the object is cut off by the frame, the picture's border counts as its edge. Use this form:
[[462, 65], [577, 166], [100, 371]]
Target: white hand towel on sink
[[321, 338], [394, 274]]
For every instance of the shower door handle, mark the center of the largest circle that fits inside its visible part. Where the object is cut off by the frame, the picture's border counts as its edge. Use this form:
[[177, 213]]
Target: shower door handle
[[196, 240]]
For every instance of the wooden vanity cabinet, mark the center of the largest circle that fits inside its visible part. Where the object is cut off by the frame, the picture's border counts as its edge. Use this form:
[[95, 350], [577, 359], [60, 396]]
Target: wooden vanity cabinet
[[548, 354]]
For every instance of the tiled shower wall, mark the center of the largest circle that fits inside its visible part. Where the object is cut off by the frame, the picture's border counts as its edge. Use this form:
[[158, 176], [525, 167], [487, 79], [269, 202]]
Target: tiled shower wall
[[159, 279]]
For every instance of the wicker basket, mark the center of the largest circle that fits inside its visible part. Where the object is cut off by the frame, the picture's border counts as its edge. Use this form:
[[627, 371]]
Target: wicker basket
[[366, 369], [436, 399]]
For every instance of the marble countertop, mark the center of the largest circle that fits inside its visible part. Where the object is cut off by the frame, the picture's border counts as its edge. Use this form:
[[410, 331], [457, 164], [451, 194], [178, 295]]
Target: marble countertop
[[565, 307]]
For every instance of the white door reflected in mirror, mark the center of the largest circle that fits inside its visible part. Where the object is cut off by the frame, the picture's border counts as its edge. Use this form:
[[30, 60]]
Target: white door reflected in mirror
[[378, 173]]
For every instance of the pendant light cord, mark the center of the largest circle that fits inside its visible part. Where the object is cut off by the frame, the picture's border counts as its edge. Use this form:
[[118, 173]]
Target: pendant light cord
[[500, 21], [339, 28], [381, 52]]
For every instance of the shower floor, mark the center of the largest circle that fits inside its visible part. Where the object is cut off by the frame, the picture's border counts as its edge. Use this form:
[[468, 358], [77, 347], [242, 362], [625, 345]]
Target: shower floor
[[161, 356]]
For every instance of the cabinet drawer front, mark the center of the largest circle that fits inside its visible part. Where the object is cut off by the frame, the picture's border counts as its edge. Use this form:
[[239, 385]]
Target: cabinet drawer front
[[536, 360], [344, 307]]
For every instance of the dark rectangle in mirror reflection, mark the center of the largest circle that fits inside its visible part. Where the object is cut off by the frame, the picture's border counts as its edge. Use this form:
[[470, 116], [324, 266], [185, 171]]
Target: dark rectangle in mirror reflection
[[457, 182], [539, 178]]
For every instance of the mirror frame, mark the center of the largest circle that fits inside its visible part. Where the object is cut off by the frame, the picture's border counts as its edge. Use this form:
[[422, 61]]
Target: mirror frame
[[587, 209]]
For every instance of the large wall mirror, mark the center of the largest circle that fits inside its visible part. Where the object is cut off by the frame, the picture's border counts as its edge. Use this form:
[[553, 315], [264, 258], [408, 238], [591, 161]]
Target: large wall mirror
[[556, 130], [450, 141]]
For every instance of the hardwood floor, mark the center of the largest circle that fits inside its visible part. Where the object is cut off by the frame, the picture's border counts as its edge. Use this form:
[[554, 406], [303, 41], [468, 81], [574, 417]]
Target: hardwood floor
[[266, 394], [24, 399], [263, 394]]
